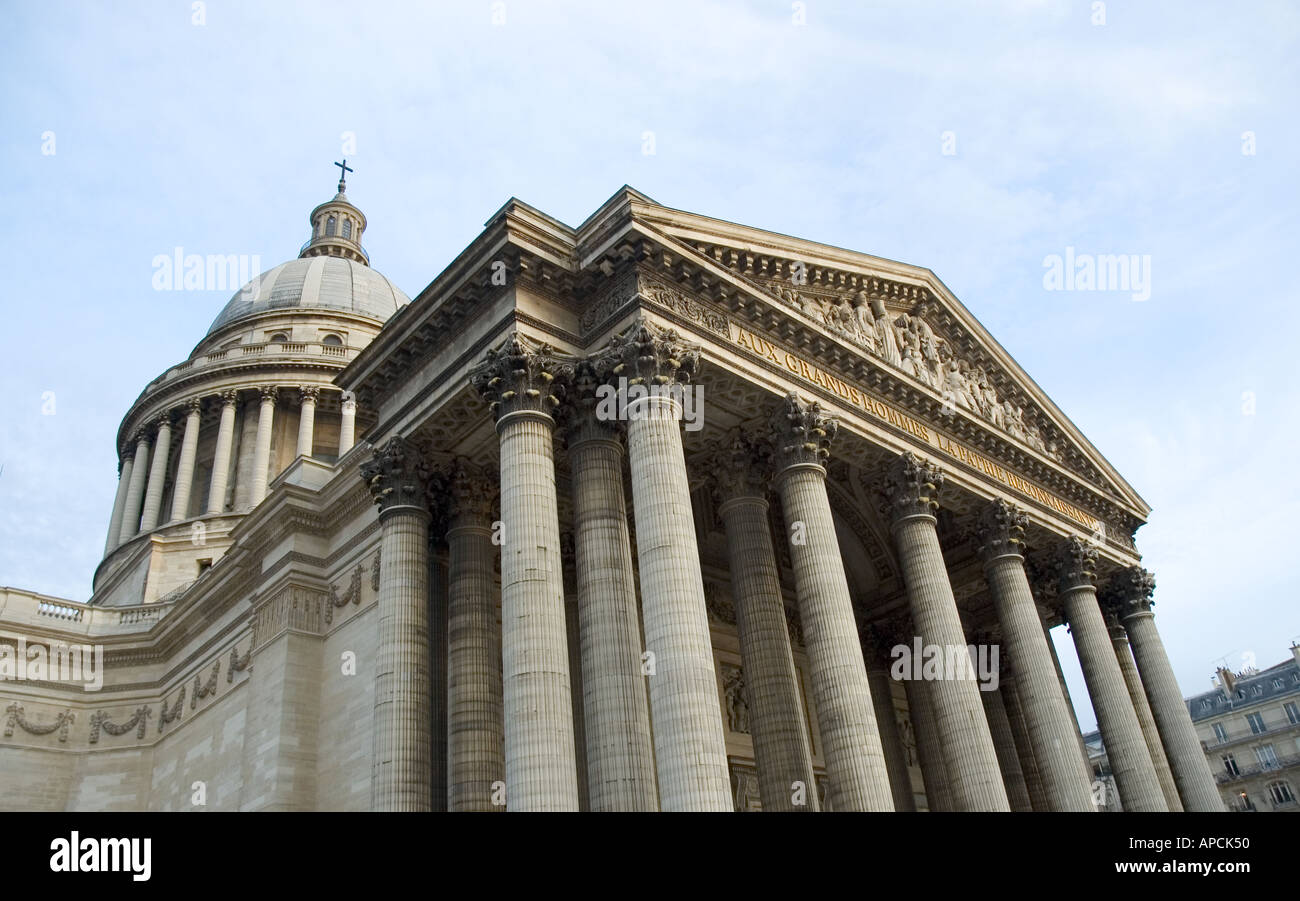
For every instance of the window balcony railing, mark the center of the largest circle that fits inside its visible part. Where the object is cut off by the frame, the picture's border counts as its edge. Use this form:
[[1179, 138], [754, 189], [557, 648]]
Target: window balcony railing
[[1243, 772]]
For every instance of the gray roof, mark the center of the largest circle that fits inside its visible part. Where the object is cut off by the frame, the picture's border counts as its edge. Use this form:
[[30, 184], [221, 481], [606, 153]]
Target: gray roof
[[316, 283]]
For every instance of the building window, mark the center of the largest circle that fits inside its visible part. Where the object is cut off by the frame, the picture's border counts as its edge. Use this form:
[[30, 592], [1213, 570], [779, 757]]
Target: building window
[[1220, 733], [332, 340], [1230, 764], [205, 565], [1281, 793], [330, 224], [279, 338], [347, 228], [1256, 723], [1292, 712], [1277, 683], [1205, 705], [1267, 757]]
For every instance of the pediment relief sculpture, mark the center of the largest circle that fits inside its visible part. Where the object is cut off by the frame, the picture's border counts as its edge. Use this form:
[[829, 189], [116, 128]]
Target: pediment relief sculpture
[[907, 342]]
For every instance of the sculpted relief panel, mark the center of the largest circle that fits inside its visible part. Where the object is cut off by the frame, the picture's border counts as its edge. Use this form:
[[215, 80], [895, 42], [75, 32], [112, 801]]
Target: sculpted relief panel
[[908, 343]]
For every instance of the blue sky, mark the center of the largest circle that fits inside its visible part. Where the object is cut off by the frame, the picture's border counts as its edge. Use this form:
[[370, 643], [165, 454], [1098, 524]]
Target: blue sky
[[1124, 137]]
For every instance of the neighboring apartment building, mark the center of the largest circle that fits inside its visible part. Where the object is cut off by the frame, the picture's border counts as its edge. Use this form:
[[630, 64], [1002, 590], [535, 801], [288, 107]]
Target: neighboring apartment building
[[1249, 726]]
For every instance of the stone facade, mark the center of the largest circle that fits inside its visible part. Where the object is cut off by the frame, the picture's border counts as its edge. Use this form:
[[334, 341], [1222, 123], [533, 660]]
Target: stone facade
[[643, 515]]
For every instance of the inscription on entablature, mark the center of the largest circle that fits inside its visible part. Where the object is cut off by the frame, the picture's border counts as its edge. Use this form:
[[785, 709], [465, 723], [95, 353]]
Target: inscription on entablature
[[882, 411]]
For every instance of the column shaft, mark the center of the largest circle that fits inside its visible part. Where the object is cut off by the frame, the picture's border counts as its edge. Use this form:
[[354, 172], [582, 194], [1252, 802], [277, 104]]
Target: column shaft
[[541, 769], [185, 466], [781, 748], [438, 671], [891, 742], [928, 746], [475, 719], [970, 761], [855, 760], [1048, 720], [262, 448], [135, 493], [157, 477], [119, 503], [1024, 745], [620, 755], [690, 748], [307, 421], [347, 426], [1004, 743], [221, 459], [402, 755], [1142, 707], [1135, 776], [1196, 786]]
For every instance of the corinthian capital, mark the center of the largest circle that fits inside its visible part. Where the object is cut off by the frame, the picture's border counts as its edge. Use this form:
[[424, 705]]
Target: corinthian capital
[[1129, 592], [912, 486], [648, 354], [471, 495], [397, 475], [1000, 530], [801, 433], [309, 393], [522, 375], [740, 465], [1076, 564], [580, 417]]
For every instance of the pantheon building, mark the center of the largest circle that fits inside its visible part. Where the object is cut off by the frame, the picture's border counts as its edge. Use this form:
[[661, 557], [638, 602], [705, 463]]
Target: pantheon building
[[644, 514]]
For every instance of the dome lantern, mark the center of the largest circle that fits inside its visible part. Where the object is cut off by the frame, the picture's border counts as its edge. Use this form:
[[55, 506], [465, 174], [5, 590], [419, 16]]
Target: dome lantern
[[337, 226]]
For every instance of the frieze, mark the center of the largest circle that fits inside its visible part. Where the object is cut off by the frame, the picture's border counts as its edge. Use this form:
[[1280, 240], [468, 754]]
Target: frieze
[[203, 690], [16, 718], [238, 664], [166, 716], [671, 299], [138, 721]]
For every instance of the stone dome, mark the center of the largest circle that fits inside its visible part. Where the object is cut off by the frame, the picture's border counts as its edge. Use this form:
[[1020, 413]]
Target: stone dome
[[315, 283]]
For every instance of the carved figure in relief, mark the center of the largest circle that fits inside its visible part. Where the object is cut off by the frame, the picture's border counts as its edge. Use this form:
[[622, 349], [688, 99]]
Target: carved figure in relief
[[886, 333], [812, 308], [1014, 419], [866, 322], [737, 701]]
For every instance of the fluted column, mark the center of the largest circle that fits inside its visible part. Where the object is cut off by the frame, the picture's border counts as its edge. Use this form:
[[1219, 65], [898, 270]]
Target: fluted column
[[1004, 744], [1135, 776], [929, 749], [185, 465], [475, 719], [616, 718], [1024, 745], [401, 773], [157, 474], [135, 491], [541, 768], [1000, 531], [878, 641], [1142, 707], [690, 748], [262, 447], [974, 777], [347, 423], [855, 760], [1191, 770], [776, 722], [438, 665], [307, 419], [221, 459], [119, 501]]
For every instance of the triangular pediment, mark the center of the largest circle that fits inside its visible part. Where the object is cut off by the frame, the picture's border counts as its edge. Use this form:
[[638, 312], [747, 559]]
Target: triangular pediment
[[903, 317]]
